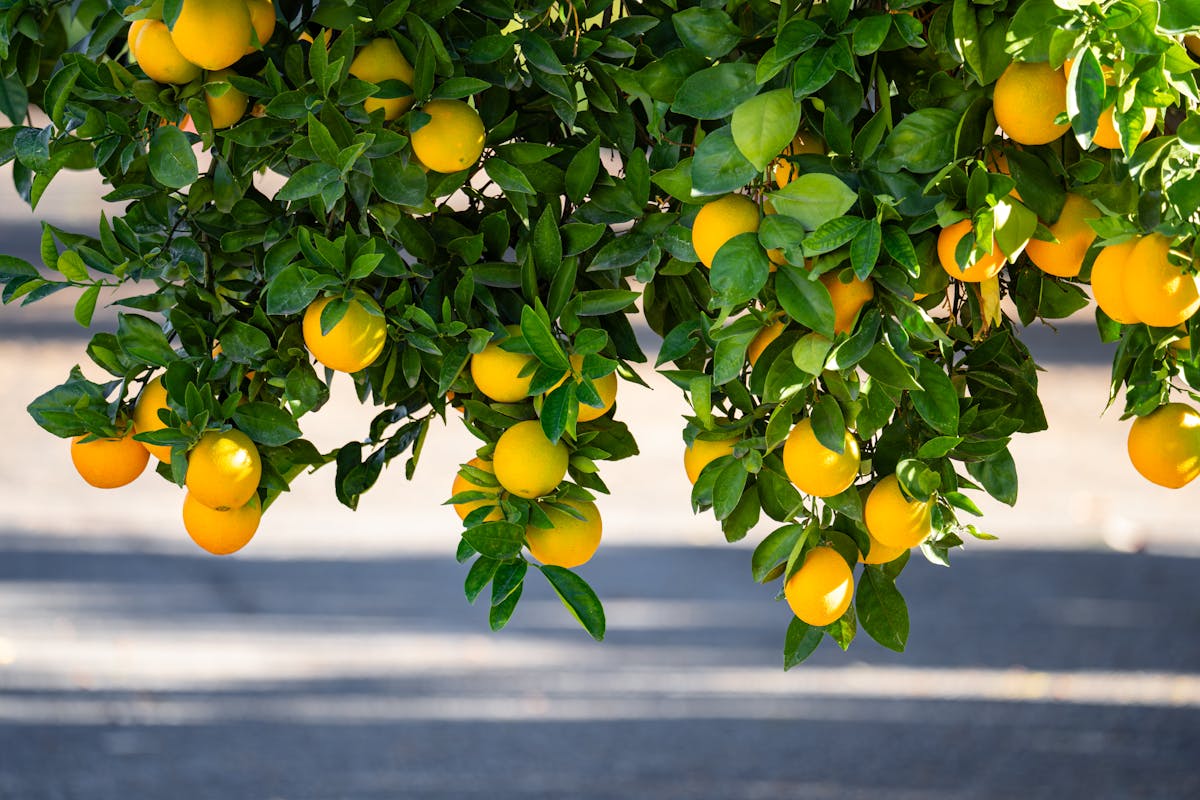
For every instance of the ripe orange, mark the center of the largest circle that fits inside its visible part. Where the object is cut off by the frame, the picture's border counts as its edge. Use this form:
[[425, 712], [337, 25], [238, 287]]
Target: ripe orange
[[763, 339], [354, 342], [135, 28], [880, 553], [985, 268], [146, 420], [378, 61], [893, 519], [1065, 257], [1159, 292], [1106, 130], [221, 532], [819, 592], [212, 34], [497, 372], [452, 139], [230, 106], [815, 469], [109, 463], [262, 19], [848, 298], [719, 221], [1026, 100], [527, 463], [463, 484], [224, 469], [156, 53], [806, 142], [702, 452], [606, 387], [1108, 281], [571, 542], [1164, 445]]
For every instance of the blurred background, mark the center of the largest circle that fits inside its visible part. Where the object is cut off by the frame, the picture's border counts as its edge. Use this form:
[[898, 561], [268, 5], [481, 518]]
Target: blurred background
[[335, 656]]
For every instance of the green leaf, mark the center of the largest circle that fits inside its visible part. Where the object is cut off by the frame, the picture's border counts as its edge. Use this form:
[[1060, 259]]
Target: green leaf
[[582, 171], [718, 167], [479, 576], [244, 343], [764, 125], [706, 30], [507, 177], [14, 99], [291, 290], [727, 491], [499, 540], [805, 300], [774, 550], [870, 33], [578, 597], [601, 302], [172, 161], [499, 615], [547, 245], [400, 183], [814, 198], [739, 270], [938, 446], [917, 479], [829, 424], [541, 341], [882, 364], [266, 423], [457, 88], [72, 267], [864, 251], [998, 476], [922, 142], [308, 182], [85, 306], [801, 641], [937, 403], [881, 609], [715, 92], [144, 340], [966, 40]]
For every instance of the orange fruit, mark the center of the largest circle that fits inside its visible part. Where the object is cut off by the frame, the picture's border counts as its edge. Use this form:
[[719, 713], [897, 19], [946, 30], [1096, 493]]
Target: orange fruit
[[262, 19], [815, 469], [702, 452], [719, 221], [230, 106], [848, 297], [497, 372], [1027, 98], [354, 342], [606, 387], [1106, 129], [1159, 292], [820, 591], [224, 469], [464, 484], [985, 268], [155, 52], [893, 519], [570, 542], [1164, 445], [1065, 257], [1108, 281], [452, 139], [377, 61], [212, 34], [146, 420], [806, 142], [109, 463], [763, 339], [527, 463], [221, 532]]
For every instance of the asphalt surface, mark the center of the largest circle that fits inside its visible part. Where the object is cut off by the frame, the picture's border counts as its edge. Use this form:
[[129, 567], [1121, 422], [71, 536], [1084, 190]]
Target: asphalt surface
[[336, 657]]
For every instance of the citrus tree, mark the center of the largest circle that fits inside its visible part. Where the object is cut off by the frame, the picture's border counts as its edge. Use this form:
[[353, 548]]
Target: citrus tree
[[838, 217]]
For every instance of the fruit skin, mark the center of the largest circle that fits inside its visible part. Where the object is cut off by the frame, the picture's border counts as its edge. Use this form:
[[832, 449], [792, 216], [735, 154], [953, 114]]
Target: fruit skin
[[497, 372], [453, 138], [820, 591], [985, 268], [703, 452], [262, 19], [806, 142], [224, 469], [1108, 281], [848, 299], [527, 463], [1106, 129], [719, 221], [880, 552], [221, 532], [1027, 98], [155, 52], [212, 34], [145, 417], [815, 469], [109, 463], [1065, 257], [606, 387], [893, 519], [462, 484], [135, 29], [230, 107], [571, 542], [381, 60], [762, 340], [1158, 292], [354, 342], [1164, 445]]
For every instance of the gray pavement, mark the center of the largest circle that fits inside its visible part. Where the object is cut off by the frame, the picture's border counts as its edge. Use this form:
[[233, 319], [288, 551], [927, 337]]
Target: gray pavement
[[336, 657]]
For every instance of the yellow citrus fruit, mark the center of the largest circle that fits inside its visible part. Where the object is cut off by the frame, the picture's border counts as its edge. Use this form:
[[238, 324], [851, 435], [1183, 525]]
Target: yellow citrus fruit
[[606, 387], [848, 298], [135, 28], [702, 452], [212, 34], [381, 60], [719, 221], [452, 139], [820, 591], [893, 519], [762, 340], [1108, 281], [1159, 292], [109, 463], [527, 463], [262, 19], [224, 469], [986, 267], [1106, 130], [145, 417], [156, 53], [230, 106], [221, 532], [815, 469], [806, 142], [1192, 43], [1027, 98], [880, 553], [571, 542], [463, 484], [354, 342], [497, 372], [1164, 445], [1064, 257]]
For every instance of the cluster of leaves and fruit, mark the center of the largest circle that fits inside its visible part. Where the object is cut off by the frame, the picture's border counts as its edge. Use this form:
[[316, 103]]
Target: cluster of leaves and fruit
[[812, 202]]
